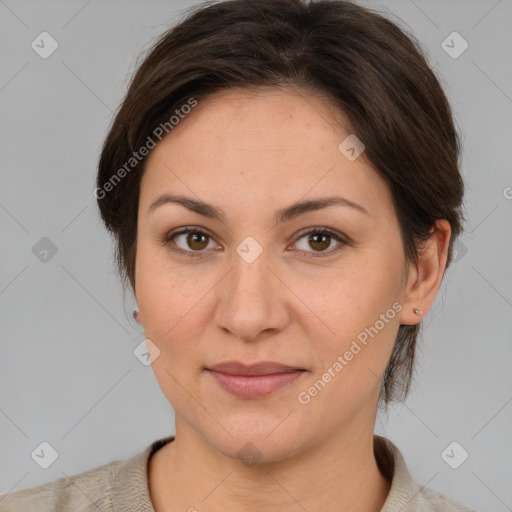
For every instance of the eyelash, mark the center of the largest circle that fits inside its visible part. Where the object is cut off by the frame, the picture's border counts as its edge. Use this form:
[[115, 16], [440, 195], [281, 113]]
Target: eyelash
[[166, 241]]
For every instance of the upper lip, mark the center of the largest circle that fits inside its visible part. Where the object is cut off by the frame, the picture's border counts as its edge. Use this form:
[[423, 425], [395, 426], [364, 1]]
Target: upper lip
[[262, 368]]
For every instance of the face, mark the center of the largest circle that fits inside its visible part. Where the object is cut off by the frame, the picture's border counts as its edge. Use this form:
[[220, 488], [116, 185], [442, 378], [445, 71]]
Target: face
[[317, 289]]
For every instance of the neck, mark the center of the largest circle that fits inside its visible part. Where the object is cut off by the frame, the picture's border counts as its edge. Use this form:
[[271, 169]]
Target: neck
[[338, 474]]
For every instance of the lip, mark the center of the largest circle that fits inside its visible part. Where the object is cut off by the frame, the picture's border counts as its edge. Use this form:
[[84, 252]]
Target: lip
[[255, 380], [261, 368]]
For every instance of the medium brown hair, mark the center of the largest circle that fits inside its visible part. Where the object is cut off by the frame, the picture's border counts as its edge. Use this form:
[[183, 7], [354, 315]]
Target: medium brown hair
[[371, 70]]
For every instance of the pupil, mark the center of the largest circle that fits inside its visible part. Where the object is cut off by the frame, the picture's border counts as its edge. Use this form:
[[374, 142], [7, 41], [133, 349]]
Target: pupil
[[195, 238], [323, 238]]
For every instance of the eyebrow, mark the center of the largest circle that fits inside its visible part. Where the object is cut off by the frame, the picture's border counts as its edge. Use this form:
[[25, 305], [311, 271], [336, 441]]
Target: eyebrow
[[283, 215]]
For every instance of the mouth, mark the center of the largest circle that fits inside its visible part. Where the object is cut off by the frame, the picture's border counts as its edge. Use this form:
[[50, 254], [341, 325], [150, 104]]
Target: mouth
[[254, 381]]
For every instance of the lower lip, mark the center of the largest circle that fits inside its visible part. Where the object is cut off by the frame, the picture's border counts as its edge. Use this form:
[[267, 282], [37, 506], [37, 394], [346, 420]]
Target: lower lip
[[254, 386]]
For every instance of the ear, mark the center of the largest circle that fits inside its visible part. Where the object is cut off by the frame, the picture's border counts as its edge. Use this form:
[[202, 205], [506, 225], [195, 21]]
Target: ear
[[424, 278], [137, 317]]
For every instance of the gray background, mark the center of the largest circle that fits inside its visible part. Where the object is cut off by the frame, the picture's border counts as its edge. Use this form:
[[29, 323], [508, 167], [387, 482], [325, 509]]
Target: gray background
[[68, 374]]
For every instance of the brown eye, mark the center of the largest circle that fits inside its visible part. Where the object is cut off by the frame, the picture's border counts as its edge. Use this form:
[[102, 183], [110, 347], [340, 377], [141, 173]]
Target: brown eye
[[193, 242], [197, 241], [319, 241], [189, 241]]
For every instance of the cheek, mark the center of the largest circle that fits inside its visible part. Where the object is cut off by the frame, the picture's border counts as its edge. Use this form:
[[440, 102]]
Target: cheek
[[337, 305], [165, 292], [359, 311], [170, 304], [351, 296]]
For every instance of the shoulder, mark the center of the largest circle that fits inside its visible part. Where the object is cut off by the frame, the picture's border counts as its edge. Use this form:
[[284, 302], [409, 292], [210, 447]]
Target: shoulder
[[405, 494], [65, 493], [430, 500], [120, 484]]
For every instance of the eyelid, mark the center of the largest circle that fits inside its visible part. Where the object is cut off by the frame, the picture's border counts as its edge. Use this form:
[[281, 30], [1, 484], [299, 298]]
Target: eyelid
[[166, 240], [339, 237]]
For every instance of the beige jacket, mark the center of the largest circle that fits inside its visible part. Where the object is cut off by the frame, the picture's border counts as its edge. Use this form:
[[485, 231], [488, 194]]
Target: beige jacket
[[122, 486]]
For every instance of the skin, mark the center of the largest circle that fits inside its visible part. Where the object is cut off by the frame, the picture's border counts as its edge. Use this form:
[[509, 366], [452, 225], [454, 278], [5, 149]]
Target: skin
[[251, 153]]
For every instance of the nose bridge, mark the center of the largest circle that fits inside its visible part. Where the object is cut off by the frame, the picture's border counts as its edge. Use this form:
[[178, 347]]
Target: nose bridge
[[249, 276], [250, 302]]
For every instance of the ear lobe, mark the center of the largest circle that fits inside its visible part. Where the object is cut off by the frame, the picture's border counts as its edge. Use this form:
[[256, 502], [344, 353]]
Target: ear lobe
[[425, 277], [136, 316]]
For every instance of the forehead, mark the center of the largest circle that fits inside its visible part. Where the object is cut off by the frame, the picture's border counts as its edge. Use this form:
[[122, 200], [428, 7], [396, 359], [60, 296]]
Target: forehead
[[259, 144], [261, 119]]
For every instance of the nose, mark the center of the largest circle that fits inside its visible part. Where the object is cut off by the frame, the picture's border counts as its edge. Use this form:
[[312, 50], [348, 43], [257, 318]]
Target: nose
[[252, 300]]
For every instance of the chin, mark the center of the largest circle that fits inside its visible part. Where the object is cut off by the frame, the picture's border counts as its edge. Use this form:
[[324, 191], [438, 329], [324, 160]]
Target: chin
[[259, 451], [266, 441]]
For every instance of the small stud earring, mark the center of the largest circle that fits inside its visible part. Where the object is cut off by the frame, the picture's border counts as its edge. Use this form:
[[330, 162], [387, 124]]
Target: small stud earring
[[418, 311], [135, 315]]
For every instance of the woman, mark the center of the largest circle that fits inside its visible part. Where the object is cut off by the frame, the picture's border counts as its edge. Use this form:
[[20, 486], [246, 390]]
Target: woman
[[282, 183]]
